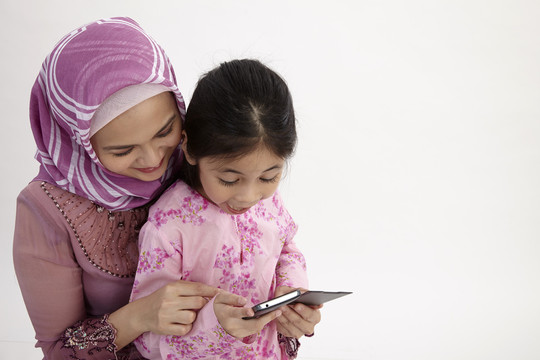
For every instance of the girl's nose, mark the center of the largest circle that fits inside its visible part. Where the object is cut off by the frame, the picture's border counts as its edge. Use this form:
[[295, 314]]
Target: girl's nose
[[248, 196]]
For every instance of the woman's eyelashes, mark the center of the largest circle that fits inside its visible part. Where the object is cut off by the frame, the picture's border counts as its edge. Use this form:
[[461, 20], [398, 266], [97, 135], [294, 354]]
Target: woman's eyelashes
[[165, 132], [162, 134], [123, 153]]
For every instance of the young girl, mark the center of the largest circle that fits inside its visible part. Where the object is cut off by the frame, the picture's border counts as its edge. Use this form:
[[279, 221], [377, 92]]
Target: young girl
[[224, 224]]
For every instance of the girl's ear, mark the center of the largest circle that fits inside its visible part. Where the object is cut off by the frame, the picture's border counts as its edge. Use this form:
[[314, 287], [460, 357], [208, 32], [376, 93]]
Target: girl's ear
[[187, 156]]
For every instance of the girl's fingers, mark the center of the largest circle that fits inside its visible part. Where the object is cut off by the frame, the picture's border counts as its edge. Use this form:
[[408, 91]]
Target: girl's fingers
[[229, 299], [266, 318], [309, 314], [288, 328], [299, 320]]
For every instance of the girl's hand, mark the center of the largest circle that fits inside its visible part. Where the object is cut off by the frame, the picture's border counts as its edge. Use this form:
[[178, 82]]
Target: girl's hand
[[230, 310], [172, 309], [297, 320]]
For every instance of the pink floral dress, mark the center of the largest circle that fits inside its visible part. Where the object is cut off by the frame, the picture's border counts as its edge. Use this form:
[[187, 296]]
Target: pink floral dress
[[187, 237]]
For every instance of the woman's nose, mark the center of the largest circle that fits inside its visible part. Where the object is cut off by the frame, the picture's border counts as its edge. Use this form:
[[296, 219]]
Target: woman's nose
[[151, 156]]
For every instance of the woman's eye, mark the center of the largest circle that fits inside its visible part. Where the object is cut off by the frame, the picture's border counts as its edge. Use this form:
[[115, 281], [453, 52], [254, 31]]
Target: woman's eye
[[227, 183], [123, 153], [165, 132]]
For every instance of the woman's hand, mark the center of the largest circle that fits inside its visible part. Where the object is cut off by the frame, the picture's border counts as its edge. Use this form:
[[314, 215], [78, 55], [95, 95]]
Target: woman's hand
[[297, 320], [230, 310], [173, 308]]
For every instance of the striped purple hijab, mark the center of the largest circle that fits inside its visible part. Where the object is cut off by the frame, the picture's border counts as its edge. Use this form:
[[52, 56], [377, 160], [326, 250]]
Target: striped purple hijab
[[85, 67]]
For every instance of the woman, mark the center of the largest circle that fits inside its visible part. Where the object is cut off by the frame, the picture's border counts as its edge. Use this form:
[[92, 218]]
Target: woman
[[75, 246], [106, 115]]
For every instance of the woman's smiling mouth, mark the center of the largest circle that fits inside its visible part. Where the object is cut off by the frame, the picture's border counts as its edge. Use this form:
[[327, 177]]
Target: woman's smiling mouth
[[150, 169]]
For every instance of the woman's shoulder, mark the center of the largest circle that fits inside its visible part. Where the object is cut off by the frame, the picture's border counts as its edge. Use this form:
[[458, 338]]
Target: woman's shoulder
[[42, 195], [33, 192], [75, 220], [37, 218], [41, 205]]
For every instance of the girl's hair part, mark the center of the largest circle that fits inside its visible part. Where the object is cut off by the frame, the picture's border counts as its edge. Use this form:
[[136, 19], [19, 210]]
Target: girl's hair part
[[235, 108]]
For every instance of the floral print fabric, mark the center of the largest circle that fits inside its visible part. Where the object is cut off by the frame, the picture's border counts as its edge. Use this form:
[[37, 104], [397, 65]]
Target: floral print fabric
[[187, 237]]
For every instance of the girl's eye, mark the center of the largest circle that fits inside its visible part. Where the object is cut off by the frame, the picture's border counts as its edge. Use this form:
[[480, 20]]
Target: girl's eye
[[272, 180], [166, 131], [227, 183], [124, 153]]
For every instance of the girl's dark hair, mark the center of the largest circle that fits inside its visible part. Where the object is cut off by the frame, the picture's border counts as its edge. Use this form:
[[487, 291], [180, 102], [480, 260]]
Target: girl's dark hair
[[234, 108]]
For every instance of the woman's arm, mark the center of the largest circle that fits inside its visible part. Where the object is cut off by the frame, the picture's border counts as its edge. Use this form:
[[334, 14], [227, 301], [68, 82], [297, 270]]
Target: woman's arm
[[51, 284], [50, 279]]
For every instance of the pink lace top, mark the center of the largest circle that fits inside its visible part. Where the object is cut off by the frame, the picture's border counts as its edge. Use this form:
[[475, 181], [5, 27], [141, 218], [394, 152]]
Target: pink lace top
[[75, 263]]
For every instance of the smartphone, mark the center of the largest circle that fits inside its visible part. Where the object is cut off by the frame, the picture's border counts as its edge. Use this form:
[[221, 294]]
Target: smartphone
[[274, 304], [309, 298]]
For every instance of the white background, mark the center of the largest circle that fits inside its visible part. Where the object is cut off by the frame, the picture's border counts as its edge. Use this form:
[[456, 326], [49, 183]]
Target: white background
[[416, 183]]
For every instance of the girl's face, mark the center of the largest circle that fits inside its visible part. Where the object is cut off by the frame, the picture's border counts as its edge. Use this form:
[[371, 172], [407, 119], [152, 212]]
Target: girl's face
[[139, 142], [235, 185]]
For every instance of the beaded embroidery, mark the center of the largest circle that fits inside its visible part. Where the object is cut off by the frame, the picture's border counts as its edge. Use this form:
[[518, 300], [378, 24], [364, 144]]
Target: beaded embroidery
[[111, 217], [78, 336]]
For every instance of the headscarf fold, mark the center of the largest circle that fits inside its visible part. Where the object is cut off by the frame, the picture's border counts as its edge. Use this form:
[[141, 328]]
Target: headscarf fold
[[86, 67]]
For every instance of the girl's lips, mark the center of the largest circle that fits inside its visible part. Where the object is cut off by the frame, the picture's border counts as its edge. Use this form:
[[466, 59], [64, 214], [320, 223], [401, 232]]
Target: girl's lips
[[236, 212], [150, 170]]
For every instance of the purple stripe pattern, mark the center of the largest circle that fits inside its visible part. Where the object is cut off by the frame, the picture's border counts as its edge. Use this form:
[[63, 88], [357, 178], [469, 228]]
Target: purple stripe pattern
[[85, 67]]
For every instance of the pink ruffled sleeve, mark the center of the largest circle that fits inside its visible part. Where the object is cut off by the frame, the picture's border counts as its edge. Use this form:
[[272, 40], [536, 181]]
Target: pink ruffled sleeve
[[291, 266]]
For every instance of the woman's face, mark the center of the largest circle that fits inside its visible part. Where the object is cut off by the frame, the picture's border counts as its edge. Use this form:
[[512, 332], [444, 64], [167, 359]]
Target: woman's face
[[139, 142]]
